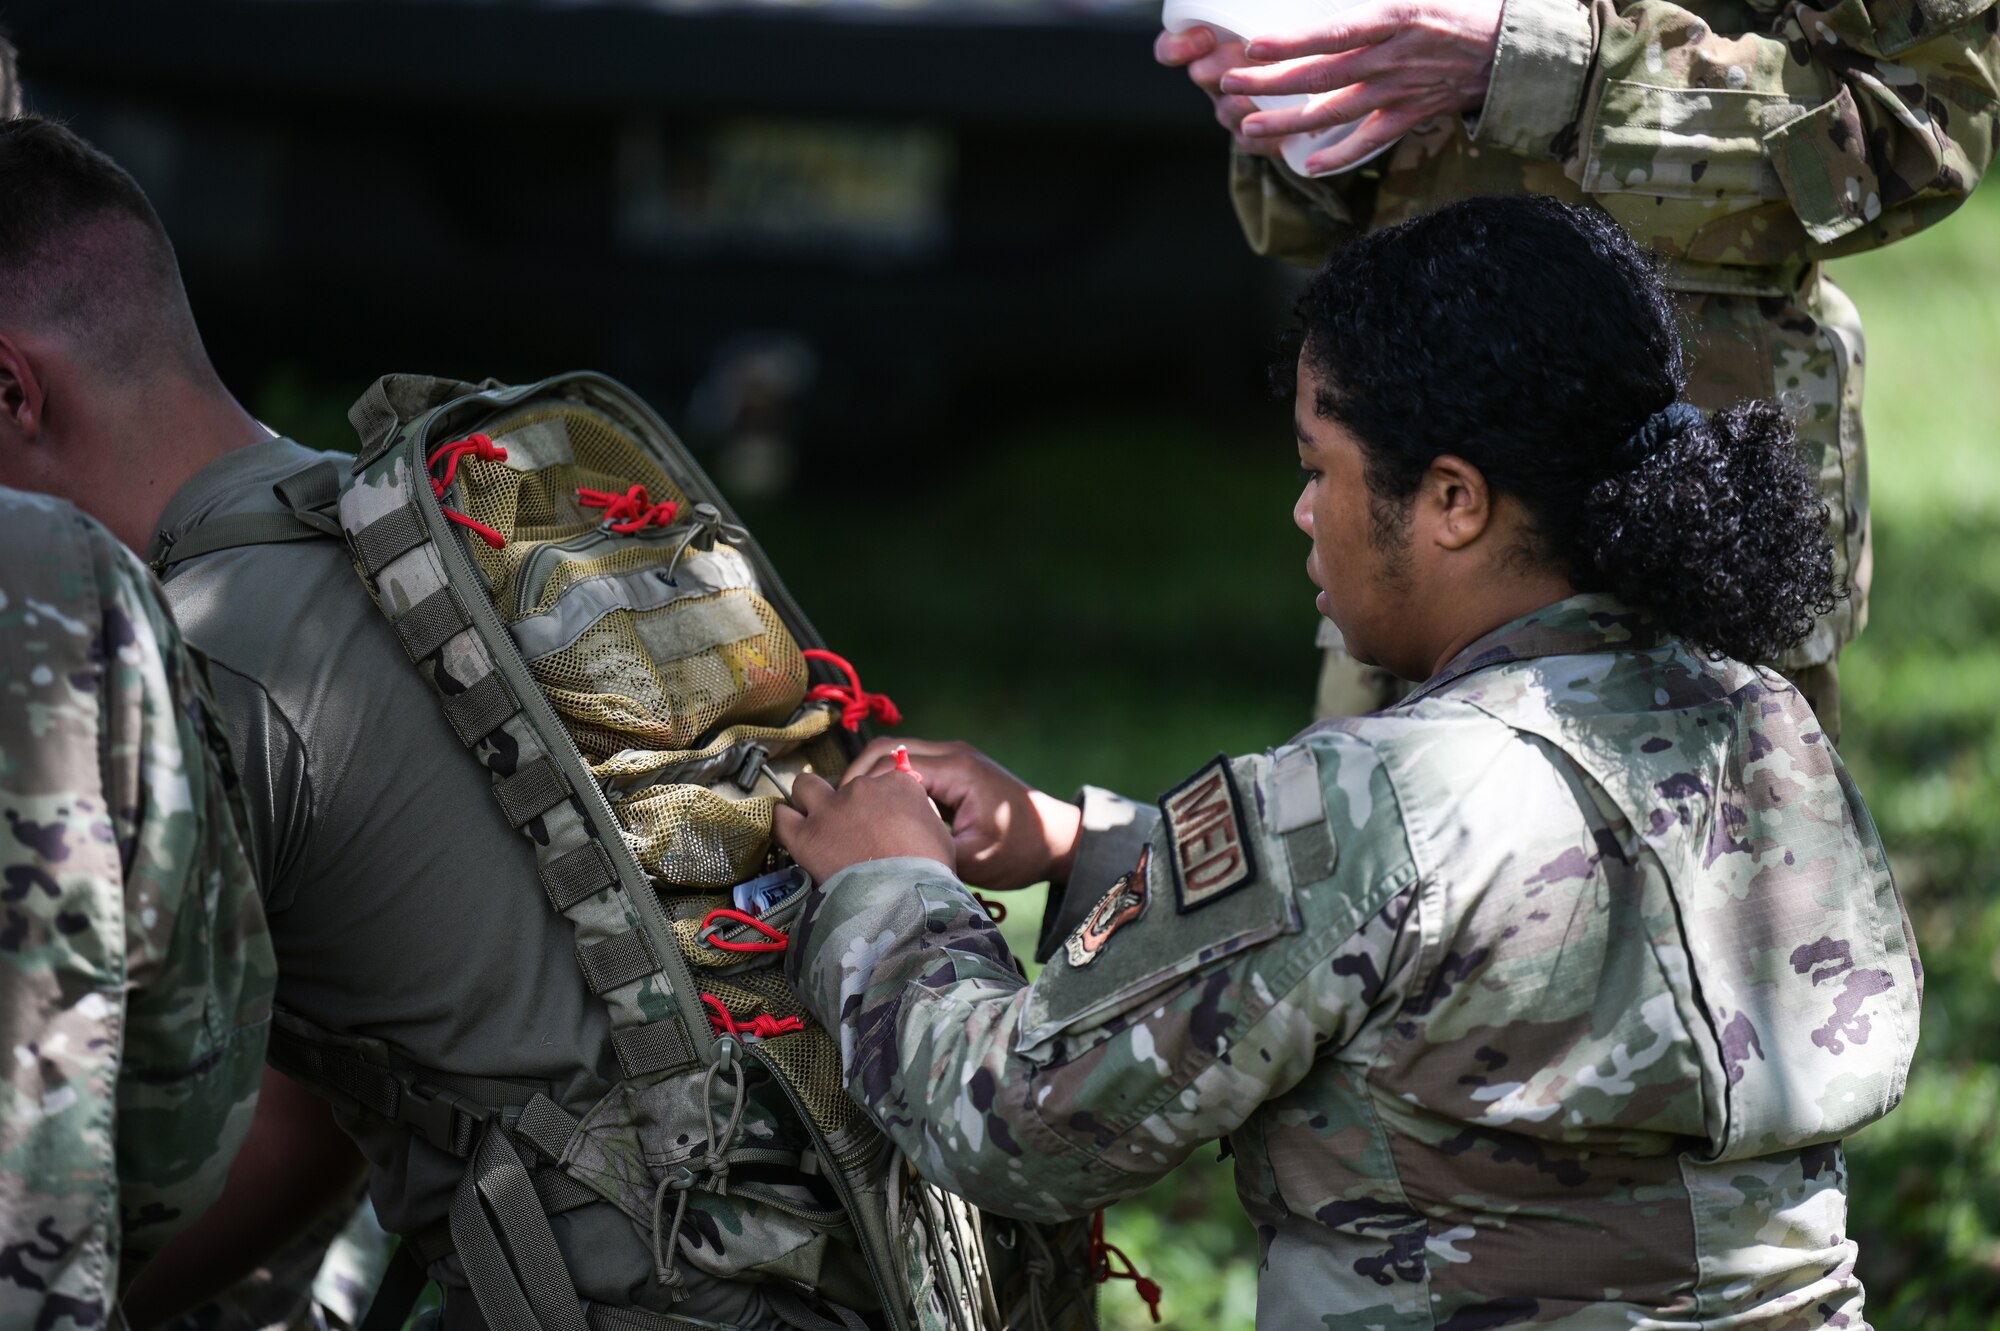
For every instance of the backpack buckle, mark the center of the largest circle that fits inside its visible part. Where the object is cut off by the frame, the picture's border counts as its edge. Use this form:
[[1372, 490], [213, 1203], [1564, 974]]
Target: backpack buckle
[[447, 1121]]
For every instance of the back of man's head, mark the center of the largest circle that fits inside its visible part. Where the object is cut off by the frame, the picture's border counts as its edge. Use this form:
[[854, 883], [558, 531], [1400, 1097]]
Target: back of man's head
[[85, 262]]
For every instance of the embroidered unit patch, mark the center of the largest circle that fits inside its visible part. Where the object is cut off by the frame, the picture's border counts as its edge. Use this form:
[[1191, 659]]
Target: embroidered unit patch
[[1205, 830], [1124, 903]]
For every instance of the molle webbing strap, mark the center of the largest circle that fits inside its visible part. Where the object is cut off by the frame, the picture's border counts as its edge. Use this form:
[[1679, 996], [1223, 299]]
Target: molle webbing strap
[[530, 792], [521, 1284], [478, 711], [546, 1125], [619, 959], [372, 417], [430, 624], [558, 1192], [654, 1047], [577, 874], [388, 538], [311, 492]]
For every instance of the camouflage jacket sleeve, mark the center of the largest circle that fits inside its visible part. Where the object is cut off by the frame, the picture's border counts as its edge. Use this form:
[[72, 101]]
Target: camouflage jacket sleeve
[[1809, 133], [135, 971], [1249, 937], [1819, 131]]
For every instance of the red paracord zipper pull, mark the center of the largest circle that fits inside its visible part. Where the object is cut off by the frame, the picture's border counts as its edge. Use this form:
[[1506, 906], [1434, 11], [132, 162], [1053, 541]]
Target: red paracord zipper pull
[[628, 512], [856, 703], [1101, 1253], [479, 446], [778, 941], [763, 1025]]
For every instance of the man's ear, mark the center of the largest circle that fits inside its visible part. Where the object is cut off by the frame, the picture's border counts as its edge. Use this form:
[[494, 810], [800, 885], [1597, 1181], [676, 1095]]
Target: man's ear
[[1457, 501], [21, 394]]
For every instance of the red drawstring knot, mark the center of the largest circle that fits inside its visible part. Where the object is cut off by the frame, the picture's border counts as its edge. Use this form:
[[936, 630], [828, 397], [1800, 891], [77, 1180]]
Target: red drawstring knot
[[476, 445], [628, 512], [762, 1026], [779, 941], [1101, 1253], [856, 703]]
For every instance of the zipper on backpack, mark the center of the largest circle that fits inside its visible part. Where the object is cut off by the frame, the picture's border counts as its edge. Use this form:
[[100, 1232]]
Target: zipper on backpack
[[507, 658]]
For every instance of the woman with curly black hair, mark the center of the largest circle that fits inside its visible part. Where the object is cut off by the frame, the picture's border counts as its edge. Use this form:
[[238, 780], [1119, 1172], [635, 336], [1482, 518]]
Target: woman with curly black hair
[[1544, 996], [1548, 361]]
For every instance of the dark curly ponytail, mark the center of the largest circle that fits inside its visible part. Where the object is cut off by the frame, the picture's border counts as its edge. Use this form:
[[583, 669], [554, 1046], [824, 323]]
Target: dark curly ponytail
[[1534, 340], [1720, 530]]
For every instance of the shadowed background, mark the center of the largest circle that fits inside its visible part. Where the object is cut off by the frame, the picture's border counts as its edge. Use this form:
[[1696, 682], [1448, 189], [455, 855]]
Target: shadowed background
[[950, 298]]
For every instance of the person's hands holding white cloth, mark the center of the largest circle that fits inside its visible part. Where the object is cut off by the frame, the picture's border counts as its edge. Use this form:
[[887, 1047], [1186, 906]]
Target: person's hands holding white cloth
[[1385, 66], [1381, 67]]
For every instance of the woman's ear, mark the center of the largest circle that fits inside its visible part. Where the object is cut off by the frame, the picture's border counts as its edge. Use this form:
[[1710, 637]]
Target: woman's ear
[[1456, 500]]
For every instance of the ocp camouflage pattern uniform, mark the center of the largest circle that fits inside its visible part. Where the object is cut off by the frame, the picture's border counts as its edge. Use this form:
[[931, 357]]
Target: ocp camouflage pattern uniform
[[1543, 997], [1746, 143], [135, 970]]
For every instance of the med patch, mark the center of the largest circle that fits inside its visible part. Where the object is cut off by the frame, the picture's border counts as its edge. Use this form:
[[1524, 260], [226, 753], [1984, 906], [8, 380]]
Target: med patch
[[1207, 838]]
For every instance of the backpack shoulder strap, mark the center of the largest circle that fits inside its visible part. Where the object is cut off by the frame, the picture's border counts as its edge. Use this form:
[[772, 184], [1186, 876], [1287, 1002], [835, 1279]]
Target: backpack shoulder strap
[[310, 495]]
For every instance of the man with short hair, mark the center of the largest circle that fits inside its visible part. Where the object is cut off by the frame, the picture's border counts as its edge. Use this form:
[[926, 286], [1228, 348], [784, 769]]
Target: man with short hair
[[108, 399], [370, 830]]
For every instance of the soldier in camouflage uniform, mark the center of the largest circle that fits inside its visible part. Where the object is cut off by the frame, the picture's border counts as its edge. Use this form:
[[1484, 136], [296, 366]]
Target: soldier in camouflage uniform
[[135, 971], [1746, 142], [1543, 997]]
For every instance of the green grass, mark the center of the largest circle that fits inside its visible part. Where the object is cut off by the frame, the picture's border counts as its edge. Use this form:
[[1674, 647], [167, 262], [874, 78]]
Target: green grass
[[1119, 596], [1923, 737]]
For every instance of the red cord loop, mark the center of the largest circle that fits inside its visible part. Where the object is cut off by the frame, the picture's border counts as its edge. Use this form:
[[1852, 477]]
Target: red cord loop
[[476, 445], [993, 908], [762, 1026], [628, 512], [779, 941], [856, 703], [1101, 1253]]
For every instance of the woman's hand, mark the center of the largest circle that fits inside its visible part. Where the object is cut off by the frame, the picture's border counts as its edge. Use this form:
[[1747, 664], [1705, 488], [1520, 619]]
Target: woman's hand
[[875, 818], [1391, 64], [1207, 58], [1007, 834]]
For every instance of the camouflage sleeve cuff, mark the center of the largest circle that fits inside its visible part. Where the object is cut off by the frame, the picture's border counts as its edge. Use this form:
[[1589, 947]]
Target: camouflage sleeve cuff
[[861, 888], [1283, 215], [1541, 67], [1113, 830]]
